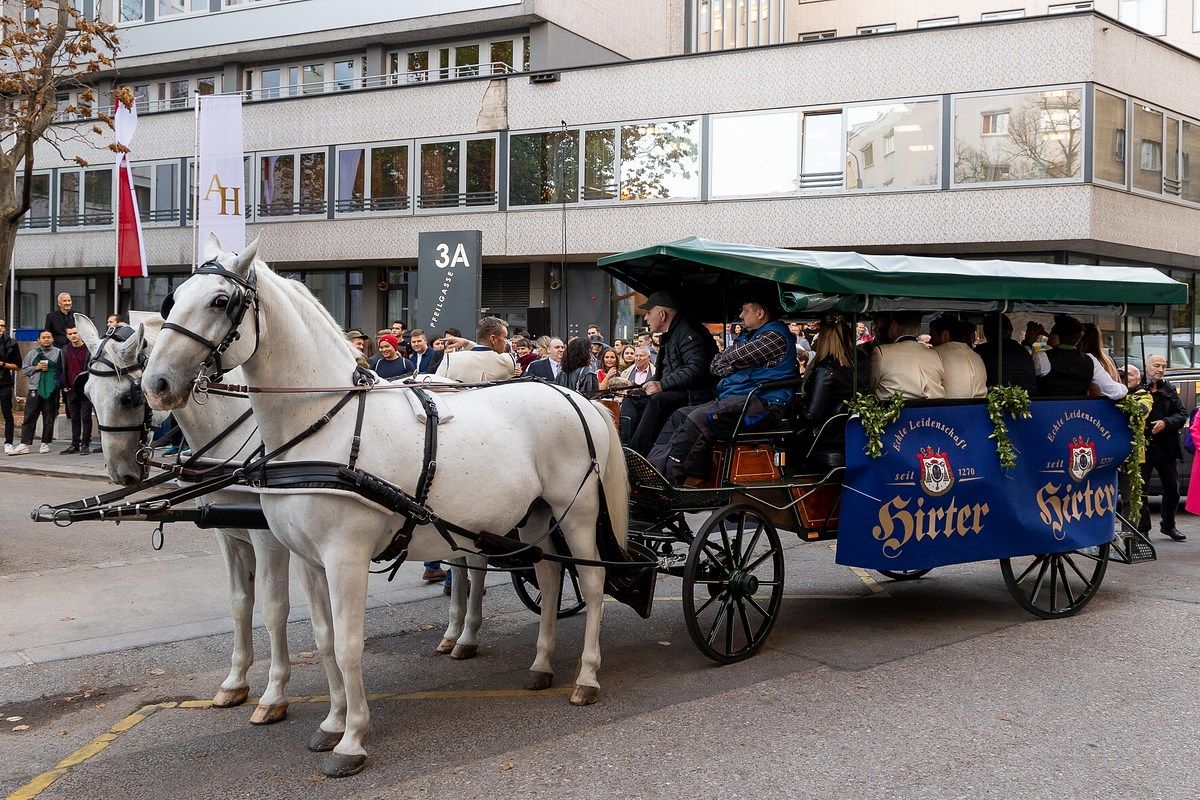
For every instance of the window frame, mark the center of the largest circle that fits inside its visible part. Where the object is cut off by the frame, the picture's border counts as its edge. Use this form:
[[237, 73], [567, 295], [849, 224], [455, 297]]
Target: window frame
[[461, 207], [798, 113], [367, 147], [1126, 184], [1070, 8], [154, 191], [25, 225], [1137, 24], [1084, 115], [254, 92], [296, 153], [1131, 116], [578, 182], [1000, 16], [872, 30], [82, 172], [818, 36], [937, 22], [399, 56]]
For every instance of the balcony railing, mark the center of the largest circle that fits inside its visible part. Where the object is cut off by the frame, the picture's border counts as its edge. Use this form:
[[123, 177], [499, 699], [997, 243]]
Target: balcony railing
[[820, 180], [159, 214], [89, 219], [376, 81], [355, 205], [458, 199], [31, 222], [307, 207]]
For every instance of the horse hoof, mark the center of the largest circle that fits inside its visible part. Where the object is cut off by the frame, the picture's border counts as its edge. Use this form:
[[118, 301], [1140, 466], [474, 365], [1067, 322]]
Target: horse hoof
[[228, 698], [337, 765], [462, 652], [585, 695], [539, 680], [445, 646], [323, 741], [265, 715]]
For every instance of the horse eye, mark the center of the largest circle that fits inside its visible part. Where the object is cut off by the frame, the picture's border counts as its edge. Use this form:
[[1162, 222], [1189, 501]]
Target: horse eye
[[220, 301]]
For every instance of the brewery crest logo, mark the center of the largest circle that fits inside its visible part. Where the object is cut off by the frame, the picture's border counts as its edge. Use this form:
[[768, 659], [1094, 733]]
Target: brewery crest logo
[[1082, 458], [936, 475]]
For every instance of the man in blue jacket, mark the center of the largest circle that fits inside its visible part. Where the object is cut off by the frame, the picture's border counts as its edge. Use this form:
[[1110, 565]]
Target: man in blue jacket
[[764, 351]]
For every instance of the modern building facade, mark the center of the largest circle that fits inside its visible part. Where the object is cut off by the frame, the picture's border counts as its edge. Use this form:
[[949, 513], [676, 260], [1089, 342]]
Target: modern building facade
[[564, 133]]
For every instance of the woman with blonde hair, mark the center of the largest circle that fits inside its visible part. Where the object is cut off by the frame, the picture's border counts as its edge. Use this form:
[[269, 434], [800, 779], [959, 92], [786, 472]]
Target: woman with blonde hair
[[829, 379], [1105, 378]]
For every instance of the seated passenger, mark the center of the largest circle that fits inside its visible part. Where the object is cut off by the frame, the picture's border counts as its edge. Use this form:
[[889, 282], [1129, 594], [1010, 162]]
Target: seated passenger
[[829, 382], [1106, 381], [470, 362], [1007, 362], [576, 373], [965, 374], [764, 351], [1062, 370], [906, 366]]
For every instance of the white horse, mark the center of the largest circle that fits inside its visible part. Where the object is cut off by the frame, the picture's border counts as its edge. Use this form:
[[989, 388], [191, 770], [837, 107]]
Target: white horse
[[252, 557], [286, 339]]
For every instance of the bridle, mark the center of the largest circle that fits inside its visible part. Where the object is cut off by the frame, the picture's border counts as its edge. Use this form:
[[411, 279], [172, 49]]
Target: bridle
[[101, 366], [241, 300]]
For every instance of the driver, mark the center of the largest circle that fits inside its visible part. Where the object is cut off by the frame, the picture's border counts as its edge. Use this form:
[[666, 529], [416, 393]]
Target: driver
[[764, 351]]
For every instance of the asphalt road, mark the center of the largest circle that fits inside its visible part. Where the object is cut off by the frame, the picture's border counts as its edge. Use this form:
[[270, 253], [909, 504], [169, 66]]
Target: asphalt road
[[938, 688]]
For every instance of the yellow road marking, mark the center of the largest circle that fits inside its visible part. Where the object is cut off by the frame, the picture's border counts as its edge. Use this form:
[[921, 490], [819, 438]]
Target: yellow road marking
[[84, 754], [864, 576]]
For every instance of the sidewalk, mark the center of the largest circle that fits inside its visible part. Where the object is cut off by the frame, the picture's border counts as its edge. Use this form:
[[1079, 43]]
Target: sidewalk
[[90, 467]]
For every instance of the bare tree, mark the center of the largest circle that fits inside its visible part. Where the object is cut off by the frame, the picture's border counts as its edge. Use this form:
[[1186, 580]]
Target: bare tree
[[47, 48]]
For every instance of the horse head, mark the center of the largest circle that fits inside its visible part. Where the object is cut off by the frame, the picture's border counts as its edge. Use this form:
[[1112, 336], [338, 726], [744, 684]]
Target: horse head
[[206, 321]]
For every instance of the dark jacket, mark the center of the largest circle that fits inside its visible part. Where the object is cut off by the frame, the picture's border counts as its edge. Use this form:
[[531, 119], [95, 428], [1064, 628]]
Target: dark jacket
[[1169, 408], [1070, 373], [541, 369], [427, 361], [687, 350], [1016, 365], [580, 379], [67, 374], [57, 323], [10, 353], [827, 386]]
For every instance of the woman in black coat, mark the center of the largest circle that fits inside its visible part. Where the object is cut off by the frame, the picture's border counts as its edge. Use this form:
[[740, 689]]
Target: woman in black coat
[[829, 380], [576, 372]]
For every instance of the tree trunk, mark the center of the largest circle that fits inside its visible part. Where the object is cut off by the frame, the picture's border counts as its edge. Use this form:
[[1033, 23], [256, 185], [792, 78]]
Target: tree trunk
[[8, 243]]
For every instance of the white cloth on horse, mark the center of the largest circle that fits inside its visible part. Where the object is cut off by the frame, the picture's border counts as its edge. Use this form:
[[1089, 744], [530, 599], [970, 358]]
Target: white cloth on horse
[[444, 412], [477, 366]]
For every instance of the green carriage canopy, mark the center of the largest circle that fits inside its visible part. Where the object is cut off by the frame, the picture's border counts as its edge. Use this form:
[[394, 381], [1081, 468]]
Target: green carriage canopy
[[709, 276]]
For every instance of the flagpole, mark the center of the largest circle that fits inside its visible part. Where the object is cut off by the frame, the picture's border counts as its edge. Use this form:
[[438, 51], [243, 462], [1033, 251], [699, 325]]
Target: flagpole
[[193, 196]]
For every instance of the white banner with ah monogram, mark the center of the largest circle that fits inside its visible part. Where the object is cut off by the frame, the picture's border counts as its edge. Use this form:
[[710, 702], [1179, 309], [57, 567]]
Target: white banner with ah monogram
[[220, 175]]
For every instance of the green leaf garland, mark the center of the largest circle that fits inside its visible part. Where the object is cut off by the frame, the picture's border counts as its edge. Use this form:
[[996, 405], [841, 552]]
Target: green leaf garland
[[874, 417], [1136, 407], [1011, 400]]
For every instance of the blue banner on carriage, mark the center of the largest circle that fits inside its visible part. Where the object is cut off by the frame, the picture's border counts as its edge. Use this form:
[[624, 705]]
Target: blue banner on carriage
[[939, 496]]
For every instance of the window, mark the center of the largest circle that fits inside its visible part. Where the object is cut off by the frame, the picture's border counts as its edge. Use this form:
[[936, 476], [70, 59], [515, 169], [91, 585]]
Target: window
[[35, 298], [1148, 162], [821, 157], [727, 24], [818, 35], [1148, 16], [170, 8], [132, 10], [85, 197], [939, 22], [755, 154], [291, 183], [457, 172], [1031, 136], [1171, 158], [374, 178], [269, 84], [599, 164], [869, 29], [38, 215], [1108, 139], [1067, 8], [156, 187], [1189, 161], [543, 168], [461, 60], [206, 86], [344, 78], [660, 160], [994, 15], [502, 56], [340, 291], [907, 134], [313, 78], [1196, 16]]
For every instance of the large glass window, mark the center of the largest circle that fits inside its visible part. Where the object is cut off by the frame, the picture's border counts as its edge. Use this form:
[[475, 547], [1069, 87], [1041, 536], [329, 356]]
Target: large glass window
[[351, 180], [821, 150], [892, 146], [660, 160], [85, 197], [755, 154], [343, 75], [1149, 16], [1189, 162], [169, 8], [35, 298], [481, 172], [1171, 157], [389, 178], [38, 215], [502, 56], [1108, 139], [277, 185], [599, 164], [312, 183], [543, 168], [440, 174], [132, 10], [1148, 138], [313, 77], [466, 59], [166, 193], [458, 172], [1031, 136], [725, 24]]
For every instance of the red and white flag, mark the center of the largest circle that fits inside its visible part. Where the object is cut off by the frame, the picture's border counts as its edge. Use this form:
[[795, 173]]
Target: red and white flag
[[131, 251]]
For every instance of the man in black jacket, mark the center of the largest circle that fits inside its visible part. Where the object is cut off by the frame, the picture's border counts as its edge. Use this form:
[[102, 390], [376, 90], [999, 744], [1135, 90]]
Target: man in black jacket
[[61, 318], [682, 376], [1007, 362], [1163, 449], [10, 362]]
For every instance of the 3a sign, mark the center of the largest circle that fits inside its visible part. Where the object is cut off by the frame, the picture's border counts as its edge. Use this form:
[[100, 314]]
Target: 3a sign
[[449, 281]]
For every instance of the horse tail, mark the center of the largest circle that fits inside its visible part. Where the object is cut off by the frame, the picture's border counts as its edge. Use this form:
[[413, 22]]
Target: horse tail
[[615, 479]]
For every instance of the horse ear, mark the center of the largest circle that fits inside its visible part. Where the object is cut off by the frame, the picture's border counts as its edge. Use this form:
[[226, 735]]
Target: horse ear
[[247, 256], [87, 332], [131, 347], [151, 327], [211, 249]]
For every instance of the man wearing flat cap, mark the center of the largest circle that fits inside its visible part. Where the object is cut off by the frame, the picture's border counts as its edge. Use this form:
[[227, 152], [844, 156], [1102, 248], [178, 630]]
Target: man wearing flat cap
[[681, 371]]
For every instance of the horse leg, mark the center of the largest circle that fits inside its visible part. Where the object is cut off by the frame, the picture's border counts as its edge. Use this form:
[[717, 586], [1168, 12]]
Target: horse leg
[[348, 574], [549, 577], [239, 563], [458, 605], [316, 586], [580, 534], [273, 577], [468, 640]]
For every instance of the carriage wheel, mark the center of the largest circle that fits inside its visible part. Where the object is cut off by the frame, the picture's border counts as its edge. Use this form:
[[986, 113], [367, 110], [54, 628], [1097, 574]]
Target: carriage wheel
[[1056, 585], [525, 583], [903, 574], [733, 583]]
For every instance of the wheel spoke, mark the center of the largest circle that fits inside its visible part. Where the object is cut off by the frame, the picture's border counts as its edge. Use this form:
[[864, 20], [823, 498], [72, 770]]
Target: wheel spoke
[[724, 536], [757, 607], [736, 551], [745, 622], [1071, 564], [1029, 569], [1053, 584], [1037, 585], [729, 628], [750, 547], [754, 565], [716, 623], [708, 603], [1066, 584]]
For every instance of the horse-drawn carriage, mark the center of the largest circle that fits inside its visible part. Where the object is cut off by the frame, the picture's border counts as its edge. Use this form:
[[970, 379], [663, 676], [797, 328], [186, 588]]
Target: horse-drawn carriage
[[937, 494]]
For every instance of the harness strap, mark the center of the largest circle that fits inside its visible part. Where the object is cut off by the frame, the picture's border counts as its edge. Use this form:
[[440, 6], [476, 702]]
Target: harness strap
[[397, 549]]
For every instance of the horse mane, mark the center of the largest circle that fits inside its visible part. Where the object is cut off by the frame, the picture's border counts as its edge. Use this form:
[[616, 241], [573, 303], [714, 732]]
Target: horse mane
[[298, 293]]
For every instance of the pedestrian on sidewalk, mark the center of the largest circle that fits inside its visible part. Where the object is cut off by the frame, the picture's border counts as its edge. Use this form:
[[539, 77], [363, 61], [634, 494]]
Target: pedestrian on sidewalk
[[45, 379], [73, 363], [61, 318], [10, 362]]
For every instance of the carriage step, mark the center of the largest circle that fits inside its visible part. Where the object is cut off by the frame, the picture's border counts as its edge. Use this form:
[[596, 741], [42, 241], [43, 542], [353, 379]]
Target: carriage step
[[1132, 547]]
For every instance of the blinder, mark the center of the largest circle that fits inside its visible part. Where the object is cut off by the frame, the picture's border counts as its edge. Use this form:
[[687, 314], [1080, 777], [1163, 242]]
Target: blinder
[[242, 298], [167, 304], [103, 367]]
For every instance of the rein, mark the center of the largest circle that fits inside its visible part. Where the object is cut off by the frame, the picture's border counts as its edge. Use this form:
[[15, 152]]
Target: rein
[[241, 300]]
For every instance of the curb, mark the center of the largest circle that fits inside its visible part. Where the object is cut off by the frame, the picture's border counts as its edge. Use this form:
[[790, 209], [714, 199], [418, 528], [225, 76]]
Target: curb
[[49, 473]]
